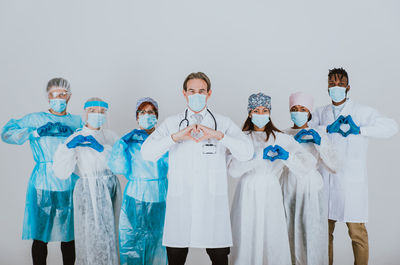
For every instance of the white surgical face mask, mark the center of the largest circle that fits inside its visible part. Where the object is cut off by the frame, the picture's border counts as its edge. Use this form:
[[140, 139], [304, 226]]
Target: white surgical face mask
[[337, 93], [260, 120], [299, 118], [96, 120], [197, 102]]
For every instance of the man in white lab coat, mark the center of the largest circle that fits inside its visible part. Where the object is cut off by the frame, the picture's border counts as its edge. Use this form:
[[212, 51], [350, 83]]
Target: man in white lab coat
[[199, 142], [349, 125]]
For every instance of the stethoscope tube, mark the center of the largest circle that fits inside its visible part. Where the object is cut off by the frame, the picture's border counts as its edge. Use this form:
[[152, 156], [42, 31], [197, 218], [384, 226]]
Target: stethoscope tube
[[185, 119]]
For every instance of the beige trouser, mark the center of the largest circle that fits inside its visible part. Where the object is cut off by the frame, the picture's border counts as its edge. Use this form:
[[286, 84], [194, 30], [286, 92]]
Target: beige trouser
[[359, 237]]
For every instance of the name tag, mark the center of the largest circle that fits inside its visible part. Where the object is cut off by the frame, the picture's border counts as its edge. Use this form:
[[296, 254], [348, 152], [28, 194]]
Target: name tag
[[209, 149]]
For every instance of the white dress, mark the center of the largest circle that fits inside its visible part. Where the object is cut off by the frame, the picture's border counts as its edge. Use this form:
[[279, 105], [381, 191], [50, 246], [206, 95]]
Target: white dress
[[306, 205], [260, 235], [97, 198]]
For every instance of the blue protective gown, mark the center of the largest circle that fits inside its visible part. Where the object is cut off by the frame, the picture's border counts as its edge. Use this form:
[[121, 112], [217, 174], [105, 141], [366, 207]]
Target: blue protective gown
[[48, 209], [142, 214]]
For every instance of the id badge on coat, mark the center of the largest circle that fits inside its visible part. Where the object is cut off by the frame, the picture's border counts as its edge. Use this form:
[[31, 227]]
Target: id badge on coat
[[209, 149]]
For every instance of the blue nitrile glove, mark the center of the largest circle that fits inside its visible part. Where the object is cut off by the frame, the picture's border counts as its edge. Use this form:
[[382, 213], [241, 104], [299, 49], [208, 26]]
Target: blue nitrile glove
[[88, 141], [45, 129], [54, 129], [316, 137], [335, 126], [136, 136], [63, 130], [76, 141], [354, 129], [93, 143], [281, 153]]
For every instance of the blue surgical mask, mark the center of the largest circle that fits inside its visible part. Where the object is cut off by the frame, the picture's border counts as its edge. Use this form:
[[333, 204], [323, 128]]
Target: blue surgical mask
[[96, 120], [260, 120], [147, 121], [58, 104], [299, 118], [337, 93], [197, 102]]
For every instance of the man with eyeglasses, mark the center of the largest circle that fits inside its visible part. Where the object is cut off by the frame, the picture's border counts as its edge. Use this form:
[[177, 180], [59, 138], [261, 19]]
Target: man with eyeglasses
[[199, 142], [49, 209]]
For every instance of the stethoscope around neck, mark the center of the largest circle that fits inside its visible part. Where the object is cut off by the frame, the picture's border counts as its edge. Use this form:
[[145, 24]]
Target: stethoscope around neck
[[185, 119]]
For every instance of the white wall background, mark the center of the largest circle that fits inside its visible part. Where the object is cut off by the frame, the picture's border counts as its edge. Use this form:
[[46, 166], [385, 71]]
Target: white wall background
[[122, 50]]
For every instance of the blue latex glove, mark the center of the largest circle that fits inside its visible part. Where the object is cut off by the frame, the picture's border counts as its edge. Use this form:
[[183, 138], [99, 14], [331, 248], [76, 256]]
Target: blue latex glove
[[75, 141], [44, 130], [93, 143], [354, 129], [88, 141], [54, 129], [316, 137], [281, 153], [135, 136], [335, 126]]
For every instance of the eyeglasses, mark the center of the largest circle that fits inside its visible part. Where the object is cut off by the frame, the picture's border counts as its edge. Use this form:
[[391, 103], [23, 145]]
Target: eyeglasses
[[143, 112], [55, 94], [96, 110]]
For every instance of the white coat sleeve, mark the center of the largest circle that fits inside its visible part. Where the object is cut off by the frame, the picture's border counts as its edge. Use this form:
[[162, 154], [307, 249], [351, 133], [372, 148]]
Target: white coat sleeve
[[158, 143], [237, 168], [300, 161], [64, 161], [327, 154], [237, 142], [378, 126]]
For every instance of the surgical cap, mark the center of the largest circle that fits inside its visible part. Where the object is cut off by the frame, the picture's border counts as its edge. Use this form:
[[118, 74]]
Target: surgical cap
[[302, 99], [58, 83], [257, 100], [146, 99]]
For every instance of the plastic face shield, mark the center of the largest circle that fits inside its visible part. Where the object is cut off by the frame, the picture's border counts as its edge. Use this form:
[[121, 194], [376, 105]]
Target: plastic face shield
[[97, 107]]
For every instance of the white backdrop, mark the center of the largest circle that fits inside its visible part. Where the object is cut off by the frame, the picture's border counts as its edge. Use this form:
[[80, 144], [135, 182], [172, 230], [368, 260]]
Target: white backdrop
[[121, 50]]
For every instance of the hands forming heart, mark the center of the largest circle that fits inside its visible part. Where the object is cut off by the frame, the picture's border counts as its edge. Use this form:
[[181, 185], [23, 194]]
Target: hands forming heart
[[275, 152], [316, 138], [136, 136], [335, 127], [88, 141], [54, 129], [197, 133]]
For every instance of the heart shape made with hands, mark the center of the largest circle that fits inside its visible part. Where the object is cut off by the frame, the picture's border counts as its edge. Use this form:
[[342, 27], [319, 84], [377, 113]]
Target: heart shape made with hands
[[307, 136], [197, 133], [85, 141], [55, 129], [344, 125], [135, 136], [345, 128], [273, 152]]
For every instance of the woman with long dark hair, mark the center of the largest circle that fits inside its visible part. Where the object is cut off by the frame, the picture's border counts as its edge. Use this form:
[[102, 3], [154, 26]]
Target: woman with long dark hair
[[260, 235]]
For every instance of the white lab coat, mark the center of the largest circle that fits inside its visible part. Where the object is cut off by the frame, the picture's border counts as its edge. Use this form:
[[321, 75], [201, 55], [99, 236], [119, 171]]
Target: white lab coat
[[97, 198], [306, 204], [348, 188], [197, 212], [260, 235]]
